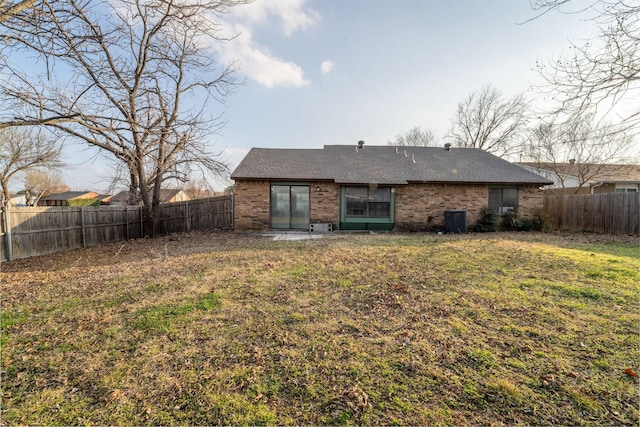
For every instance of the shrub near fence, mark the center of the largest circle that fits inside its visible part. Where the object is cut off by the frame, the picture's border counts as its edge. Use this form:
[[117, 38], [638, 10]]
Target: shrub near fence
[[608, 213], [37, 231]]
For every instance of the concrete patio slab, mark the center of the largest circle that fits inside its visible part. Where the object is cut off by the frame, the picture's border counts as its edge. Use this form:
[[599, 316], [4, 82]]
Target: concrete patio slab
[[292, 235]]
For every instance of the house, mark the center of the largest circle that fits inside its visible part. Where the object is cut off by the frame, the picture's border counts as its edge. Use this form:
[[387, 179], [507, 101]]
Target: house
[[166, 196], [577, 178], [18, 199], [66, 198], [377, 187]]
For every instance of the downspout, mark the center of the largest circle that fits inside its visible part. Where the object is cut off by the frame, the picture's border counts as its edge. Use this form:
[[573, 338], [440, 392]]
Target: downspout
[[595, 186]]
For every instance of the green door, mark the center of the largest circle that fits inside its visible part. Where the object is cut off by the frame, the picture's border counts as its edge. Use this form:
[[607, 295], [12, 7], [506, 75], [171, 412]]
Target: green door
[[290, 207]]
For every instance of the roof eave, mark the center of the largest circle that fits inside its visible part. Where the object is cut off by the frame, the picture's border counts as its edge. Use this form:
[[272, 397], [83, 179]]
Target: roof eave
[[615, 181], [482, 182]]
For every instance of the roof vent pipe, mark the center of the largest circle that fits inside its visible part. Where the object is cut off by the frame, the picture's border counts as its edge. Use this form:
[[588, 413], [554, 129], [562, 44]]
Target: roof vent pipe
[[360, 144], [447, 146]]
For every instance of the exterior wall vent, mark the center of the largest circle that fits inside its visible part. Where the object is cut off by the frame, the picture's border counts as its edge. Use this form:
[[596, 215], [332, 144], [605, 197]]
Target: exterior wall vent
[[320, 228]]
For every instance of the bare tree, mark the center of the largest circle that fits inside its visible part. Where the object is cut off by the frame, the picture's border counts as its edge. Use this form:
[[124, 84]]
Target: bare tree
[[415, 137], [199, 188], [486, 120], [577, 149], [603, 73], [22, 150], [40, 183], [9, 9], [132, 63]]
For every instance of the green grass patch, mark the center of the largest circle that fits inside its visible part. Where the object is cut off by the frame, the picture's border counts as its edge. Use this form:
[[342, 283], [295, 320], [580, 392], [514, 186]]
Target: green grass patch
[[164, 317], [9, 318]]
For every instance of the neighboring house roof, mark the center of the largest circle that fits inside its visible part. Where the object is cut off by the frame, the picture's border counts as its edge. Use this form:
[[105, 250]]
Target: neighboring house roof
[[389, 165], [122, 196], [168, 194], [104, 198], [165, 195], [70, 195], [597, 173]]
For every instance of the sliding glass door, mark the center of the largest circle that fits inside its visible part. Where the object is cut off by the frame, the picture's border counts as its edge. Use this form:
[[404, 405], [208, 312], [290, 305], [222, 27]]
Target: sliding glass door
[[290, 207]]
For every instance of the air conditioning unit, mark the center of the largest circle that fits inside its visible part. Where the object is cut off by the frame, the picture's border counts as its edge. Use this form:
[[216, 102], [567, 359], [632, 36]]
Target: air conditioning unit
[[320, 228]]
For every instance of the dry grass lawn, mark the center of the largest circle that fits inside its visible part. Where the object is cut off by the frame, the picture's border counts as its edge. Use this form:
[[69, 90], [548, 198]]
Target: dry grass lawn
[[210, 329]]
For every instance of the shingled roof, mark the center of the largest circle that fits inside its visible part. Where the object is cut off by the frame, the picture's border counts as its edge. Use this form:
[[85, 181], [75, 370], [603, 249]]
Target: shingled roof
[[70, 195], [344, 164]]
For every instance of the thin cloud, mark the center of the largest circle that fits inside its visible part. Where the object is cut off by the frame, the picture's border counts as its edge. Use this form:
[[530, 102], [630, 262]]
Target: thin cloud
[[326, 67], [292, 14], [256, 60], [260, 65]]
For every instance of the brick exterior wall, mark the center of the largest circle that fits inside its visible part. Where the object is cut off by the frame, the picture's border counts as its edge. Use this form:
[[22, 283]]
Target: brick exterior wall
[[418, 207], [530, 201], [252, 198], [421, 207], [324, 204], [251, 205]]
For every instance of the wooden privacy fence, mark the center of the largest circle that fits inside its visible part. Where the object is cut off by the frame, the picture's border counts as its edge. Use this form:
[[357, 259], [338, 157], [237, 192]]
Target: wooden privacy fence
[[200, 214], [32, 231], [609, 213]]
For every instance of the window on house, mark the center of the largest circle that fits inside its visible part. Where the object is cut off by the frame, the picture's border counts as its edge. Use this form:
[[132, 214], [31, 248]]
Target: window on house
[[503, 200], [626, 190], [368, 202]]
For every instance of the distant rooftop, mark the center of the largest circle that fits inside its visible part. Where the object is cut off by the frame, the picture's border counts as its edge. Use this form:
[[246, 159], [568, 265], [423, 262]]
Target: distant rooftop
[[597, 172], [69, 195], [165, 195]]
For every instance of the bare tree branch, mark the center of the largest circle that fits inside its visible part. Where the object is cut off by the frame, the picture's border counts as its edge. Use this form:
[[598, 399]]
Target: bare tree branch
[[603, 73], [8, 10], [132, 64], [487, 121], [580, 143], [39, 183], [22, 150], [415, 137]]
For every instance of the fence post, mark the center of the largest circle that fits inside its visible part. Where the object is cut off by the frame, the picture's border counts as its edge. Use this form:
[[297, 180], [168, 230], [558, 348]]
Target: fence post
[[84, 237], [186, 214], [7, 234], [126, 222], [141, 223]]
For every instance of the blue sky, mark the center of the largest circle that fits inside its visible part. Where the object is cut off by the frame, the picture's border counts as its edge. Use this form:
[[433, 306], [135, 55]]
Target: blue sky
[[337, 71]]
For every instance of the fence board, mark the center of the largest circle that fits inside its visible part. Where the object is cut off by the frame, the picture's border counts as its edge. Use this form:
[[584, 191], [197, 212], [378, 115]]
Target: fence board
[[45, 230], [609, 213]]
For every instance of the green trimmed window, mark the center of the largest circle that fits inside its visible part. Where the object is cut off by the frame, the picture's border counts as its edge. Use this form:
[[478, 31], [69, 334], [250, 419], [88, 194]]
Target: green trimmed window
[[366, 208], [365, 202]]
